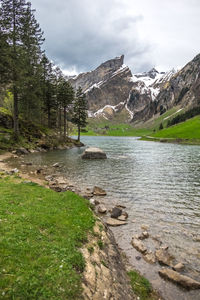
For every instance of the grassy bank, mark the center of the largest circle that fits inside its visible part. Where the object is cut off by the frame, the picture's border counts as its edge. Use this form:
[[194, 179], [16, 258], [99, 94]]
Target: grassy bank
[[40, 234], [141, 286], [188, 132]]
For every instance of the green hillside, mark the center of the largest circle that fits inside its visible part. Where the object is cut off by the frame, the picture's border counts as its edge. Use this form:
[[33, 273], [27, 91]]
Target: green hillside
[[189, 129]]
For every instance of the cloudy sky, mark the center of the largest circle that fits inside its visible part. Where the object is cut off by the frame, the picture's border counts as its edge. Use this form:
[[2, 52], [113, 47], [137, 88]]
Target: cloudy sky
[[81, 34]]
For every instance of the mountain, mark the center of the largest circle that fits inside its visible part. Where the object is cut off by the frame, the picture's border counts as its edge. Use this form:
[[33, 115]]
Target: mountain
[[106, 87], [182, 89], [112, 89]]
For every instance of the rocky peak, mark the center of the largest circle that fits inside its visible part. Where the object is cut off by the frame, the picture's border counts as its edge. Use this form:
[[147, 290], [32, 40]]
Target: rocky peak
[[99, 75], [152, 73], [112, 64]]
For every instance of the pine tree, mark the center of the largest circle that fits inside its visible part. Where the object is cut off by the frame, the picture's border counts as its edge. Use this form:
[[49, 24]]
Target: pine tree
[[32, 40], [48, 88], [4, 60], [65, 97], [11, 13], [80, 111]]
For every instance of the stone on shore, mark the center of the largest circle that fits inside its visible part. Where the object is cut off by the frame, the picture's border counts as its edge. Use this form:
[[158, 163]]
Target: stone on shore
[[115, 222], [182, 280], [94, 153], [56, 165], [97, 191], [22, 151]]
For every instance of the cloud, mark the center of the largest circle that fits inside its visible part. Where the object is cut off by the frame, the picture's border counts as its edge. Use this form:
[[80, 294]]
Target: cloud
[[81, 34]]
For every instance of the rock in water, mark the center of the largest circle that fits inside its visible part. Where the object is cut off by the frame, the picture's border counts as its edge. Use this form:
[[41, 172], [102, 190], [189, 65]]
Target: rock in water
[[164, 257], [116, 212], [97, 191], [139, 246], [115, 222], [94, 153], [150, 257], [183, 280], [178, 267], [102, 209]]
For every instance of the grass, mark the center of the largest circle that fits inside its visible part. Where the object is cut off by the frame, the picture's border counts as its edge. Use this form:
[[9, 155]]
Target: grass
[[41, 232], [108, 128], [141, 286], [189, 129]]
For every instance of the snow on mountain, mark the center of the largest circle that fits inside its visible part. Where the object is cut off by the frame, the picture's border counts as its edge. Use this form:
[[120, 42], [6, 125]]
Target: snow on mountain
[[148, 82]]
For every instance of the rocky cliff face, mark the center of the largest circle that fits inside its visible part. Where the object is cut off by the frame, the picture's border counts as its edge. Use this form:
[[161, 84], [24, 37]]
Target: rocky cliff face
[[111, 88], [182, 89], [109, 84]]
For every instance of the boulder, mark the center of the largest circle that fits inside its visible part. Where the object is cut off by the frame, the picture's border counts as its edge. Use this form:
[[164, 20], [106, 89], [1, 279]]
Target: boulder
[[116, 212], [182, 280], [97, 191], [22, 151], [138, 245], [164, 257], [143, 235], [115, 222], [94, 153], [102, 209]]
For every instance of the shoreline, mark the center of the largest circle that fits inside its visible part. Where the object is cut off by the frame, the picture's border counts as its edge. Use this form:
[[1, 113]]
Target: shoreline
[[106, 268], [60, 182]]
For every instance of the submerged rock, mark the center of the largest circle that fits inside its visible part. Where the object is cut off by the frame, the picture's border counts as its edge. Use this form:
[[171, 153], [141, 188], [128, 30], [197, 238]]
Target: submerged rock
[[138, 245], [115, 222], [94, 153], [182, 280], [102, 209], [143, 235], [150, 257], [97, 191], [122, 218], [178, 267], [164, 257]]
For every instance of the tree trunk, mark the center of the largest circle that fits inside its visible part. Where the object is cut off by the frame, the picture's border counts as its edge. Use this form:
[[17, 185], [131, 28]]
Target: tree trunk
[[67, 127], [59, 121], [79, 132], [65, 119], [49, 116], [15, 113]]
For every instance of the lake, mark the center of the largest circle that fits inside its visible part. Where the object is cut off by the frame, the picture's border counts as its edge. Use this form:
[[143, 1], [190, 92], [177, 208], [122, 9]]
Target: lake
[[159, 184]]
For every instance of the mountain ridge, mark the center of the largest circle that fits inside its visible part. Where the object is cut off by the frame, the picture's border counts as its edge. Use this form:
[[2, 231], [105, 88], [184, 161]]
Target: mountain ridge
[[112, 88]]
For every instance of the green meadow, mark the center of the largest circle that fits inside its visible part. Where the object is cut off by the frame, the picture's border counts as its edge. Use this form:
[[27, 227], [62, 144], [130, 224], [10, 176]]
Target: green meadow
[[41, 232]]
